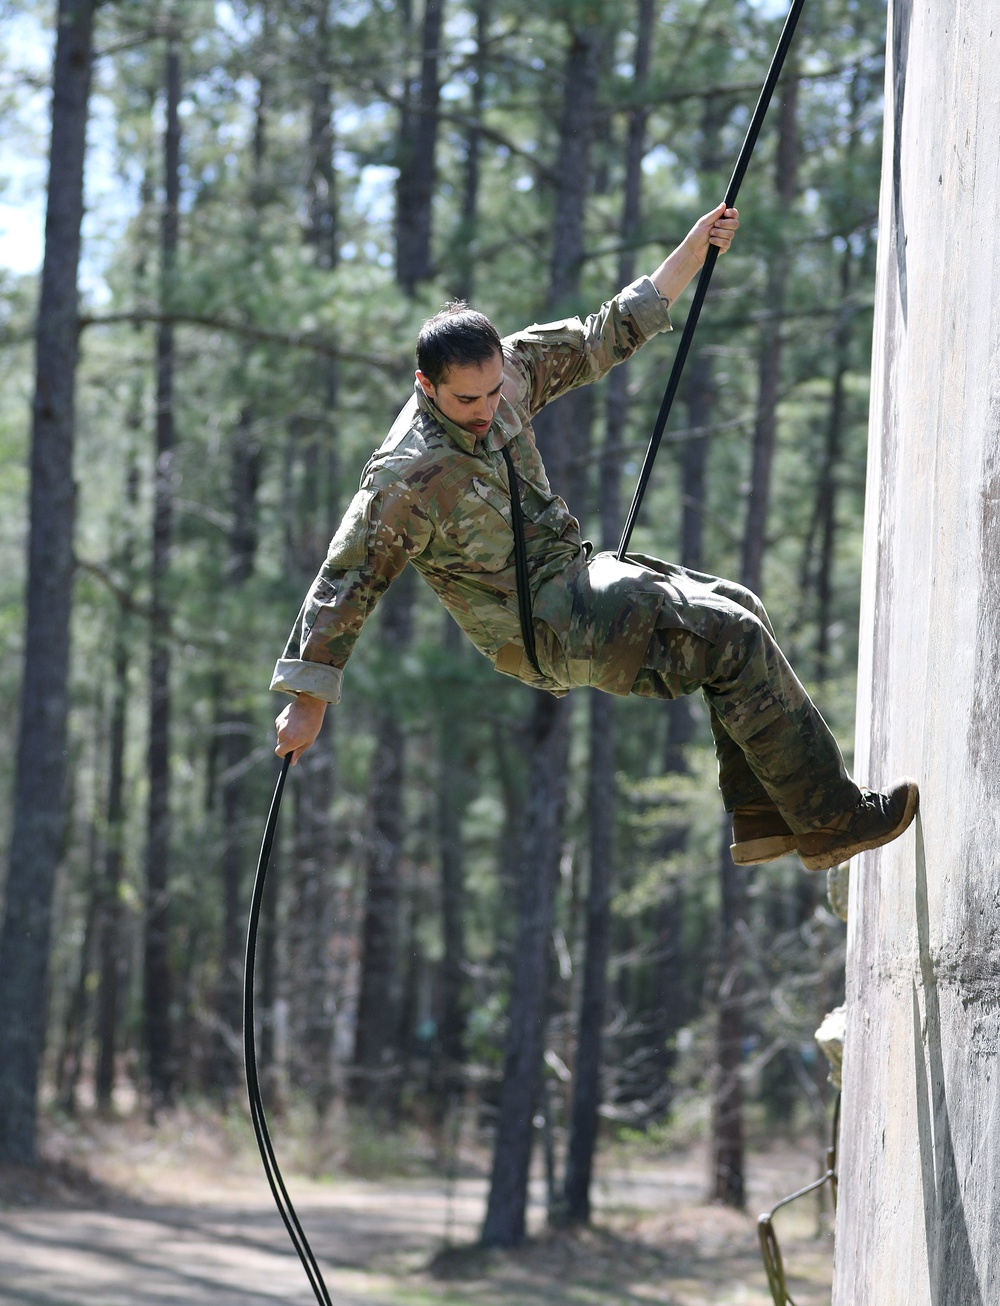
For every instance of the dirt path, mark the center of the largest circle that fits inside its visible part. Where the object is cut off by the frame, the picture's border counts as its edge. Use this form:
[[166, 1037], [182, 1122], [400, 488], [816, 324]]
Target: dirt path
[[210, 1237]]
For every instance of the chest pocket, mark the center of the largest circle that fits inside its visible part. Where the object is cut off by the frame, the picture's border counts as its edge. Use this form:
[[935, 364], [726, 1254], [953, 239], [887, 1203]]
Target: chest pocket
[[479, 529]]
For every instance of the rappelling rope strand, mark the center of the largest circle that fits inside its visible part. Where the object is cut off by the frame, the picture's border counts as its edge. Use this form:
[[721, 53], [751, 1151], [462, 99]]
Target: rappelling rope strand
[[283, 1202], [742, 163]]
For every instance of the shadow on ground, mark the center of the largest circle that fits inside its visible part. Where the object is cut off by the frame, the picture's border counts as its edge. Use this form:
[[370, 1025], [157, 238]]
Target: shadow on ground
[[208, 1235]]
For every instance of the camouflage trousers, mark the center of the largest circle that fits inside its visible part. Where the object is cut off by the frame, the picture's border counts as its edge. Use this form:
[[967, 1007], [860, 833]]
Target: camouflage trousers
[[771, 741]]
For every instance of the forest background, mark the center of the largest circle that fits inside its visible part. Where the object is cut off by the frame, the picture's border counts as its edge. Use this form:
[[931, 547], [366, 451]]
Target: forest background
[[484, 900]]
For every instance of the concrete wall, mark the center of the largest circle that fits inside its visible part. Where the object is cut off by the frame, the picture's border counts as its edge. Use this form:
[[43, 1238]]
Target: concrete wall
[[919, 1218]]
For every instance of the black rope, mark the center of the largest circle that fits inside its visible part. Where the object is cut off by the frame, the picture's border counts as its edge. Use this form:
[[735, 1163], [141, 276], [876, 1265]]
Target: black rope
[[274, 1179], [701, 290]]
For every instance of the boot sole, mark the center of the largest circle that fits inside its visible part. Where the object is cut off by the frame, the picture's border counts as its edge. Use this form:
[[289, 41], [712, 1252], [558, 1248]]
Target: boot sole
[[837, 856], [751, 852]]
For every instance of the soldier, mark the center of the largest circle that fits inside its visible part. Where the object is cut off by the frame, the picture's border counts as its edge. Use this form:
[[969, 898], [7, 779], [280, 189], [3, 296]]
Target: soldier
[[437, 494]]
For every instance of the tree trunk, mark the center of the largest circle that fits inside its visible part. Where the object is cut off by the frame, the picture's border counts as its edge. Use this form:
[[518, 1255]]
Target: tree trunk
[[825, 516], [417, 147], [826, 489], [311, 475], [920, 1182], [110, 953], [468, 227], [310, 925], [669, 1009], [375, 1050], [39, 789], [268, 1050], [322, 229], [668, 1014], [586, 1098], [69, 1065], [560, 429], [505, 1221], [109, 928], [727, 1111], [727, 1097], [237, 739], [157, 979], [452, 751], [755, 530], [699, 395]]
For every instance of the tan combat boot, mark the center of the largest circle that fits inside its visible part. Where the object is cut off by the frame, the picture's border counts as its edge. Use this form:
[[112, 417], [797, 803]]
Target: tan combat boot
[[760, 835], [878, 818]]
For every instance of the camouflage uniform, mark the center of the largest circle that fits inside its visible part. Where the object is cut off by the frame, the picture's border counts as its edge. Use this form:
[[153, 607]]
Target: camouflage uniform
[[437, 496]]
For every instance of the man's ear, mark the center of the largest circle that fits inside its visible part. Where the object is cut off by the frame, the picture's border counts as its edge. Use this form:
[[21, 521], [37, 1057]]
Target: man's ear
[[425, 384]]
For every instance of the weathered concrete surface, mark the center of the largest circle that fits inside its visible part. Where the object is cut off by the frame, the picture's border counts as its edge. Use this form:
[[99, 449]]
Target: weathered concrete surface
[[920, 1157]]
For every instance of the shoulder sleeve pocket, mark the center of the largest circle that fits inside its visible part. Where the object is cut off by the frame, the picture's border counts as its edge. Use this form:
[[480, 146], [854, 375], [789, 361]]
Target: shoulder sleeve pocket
[[349, 547]]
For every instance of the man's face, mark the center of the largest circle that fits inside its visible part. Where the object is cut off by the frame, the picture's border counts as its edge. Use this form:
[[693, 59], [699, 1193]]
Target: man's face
[[467, 396]]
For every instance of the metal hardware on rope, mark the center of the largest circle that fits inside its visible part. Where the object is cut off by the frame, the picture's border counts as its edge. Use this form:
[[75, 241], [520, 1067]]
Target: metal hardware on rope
[[278, 1191], [774, 1266], [701, 290]]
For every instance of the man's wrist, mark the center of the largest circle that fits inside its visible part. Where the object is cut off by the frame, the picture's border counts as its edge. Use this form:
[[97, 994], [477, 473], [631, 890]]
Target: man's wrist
[[310, 702]]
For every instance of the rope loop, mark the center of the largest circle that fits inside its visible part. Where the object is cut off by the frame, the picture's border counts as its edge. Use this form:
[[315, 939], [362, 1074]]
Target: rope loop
[[275, 1181]]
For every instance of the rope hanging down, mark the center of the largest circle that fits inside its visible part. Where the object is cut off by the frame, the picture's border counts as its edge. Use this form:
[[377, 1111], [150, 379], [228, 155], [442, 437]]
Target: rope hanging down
[[278, 1191], [274, 1179], [701, 290]]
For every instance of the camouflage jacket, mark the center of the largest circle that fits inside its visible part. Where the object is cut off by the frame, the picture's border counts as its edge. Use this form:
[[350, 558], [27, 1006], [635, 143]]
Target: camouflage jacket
[[437, 496]]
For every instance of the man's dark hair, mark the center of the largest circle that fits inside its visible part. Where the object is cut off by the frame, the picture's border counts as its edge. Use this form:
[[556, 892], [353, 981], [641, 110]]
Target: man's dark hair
[[458, 336]]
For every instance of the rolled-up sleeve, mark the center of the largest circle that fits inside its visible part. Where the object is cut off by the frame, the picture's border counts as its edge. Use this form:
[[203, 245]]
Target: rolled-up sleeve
[[642, 302], [384, 527], [559, 356]]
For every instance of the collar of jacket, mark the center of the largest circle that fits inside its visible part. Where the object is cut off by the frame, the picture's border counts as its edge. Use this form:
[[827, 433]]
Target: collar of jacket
[[506, 424]]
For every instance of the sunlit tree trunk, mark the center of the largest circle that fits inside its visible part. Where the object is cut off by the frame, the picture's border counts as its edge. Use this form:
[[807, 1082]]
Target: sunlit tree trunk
[[110, 968], [727, 1183], [417, 147], [375, 1045], [316, 924], [310, 924], [157, 978], [468, 226], [236, 740], [453, 754], [771, 346], [69, 1061], [586, 1097], [541, 823], [560, 429], [323, 221], [727, 1180], [39, 813], [826, 488]]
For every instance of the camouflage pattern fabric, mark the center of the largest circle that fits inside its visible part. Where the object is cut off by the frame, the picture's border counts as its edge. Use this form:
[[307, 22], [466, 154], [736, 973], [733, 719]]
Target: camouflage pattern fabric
[[437, 496], [771, 741]]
